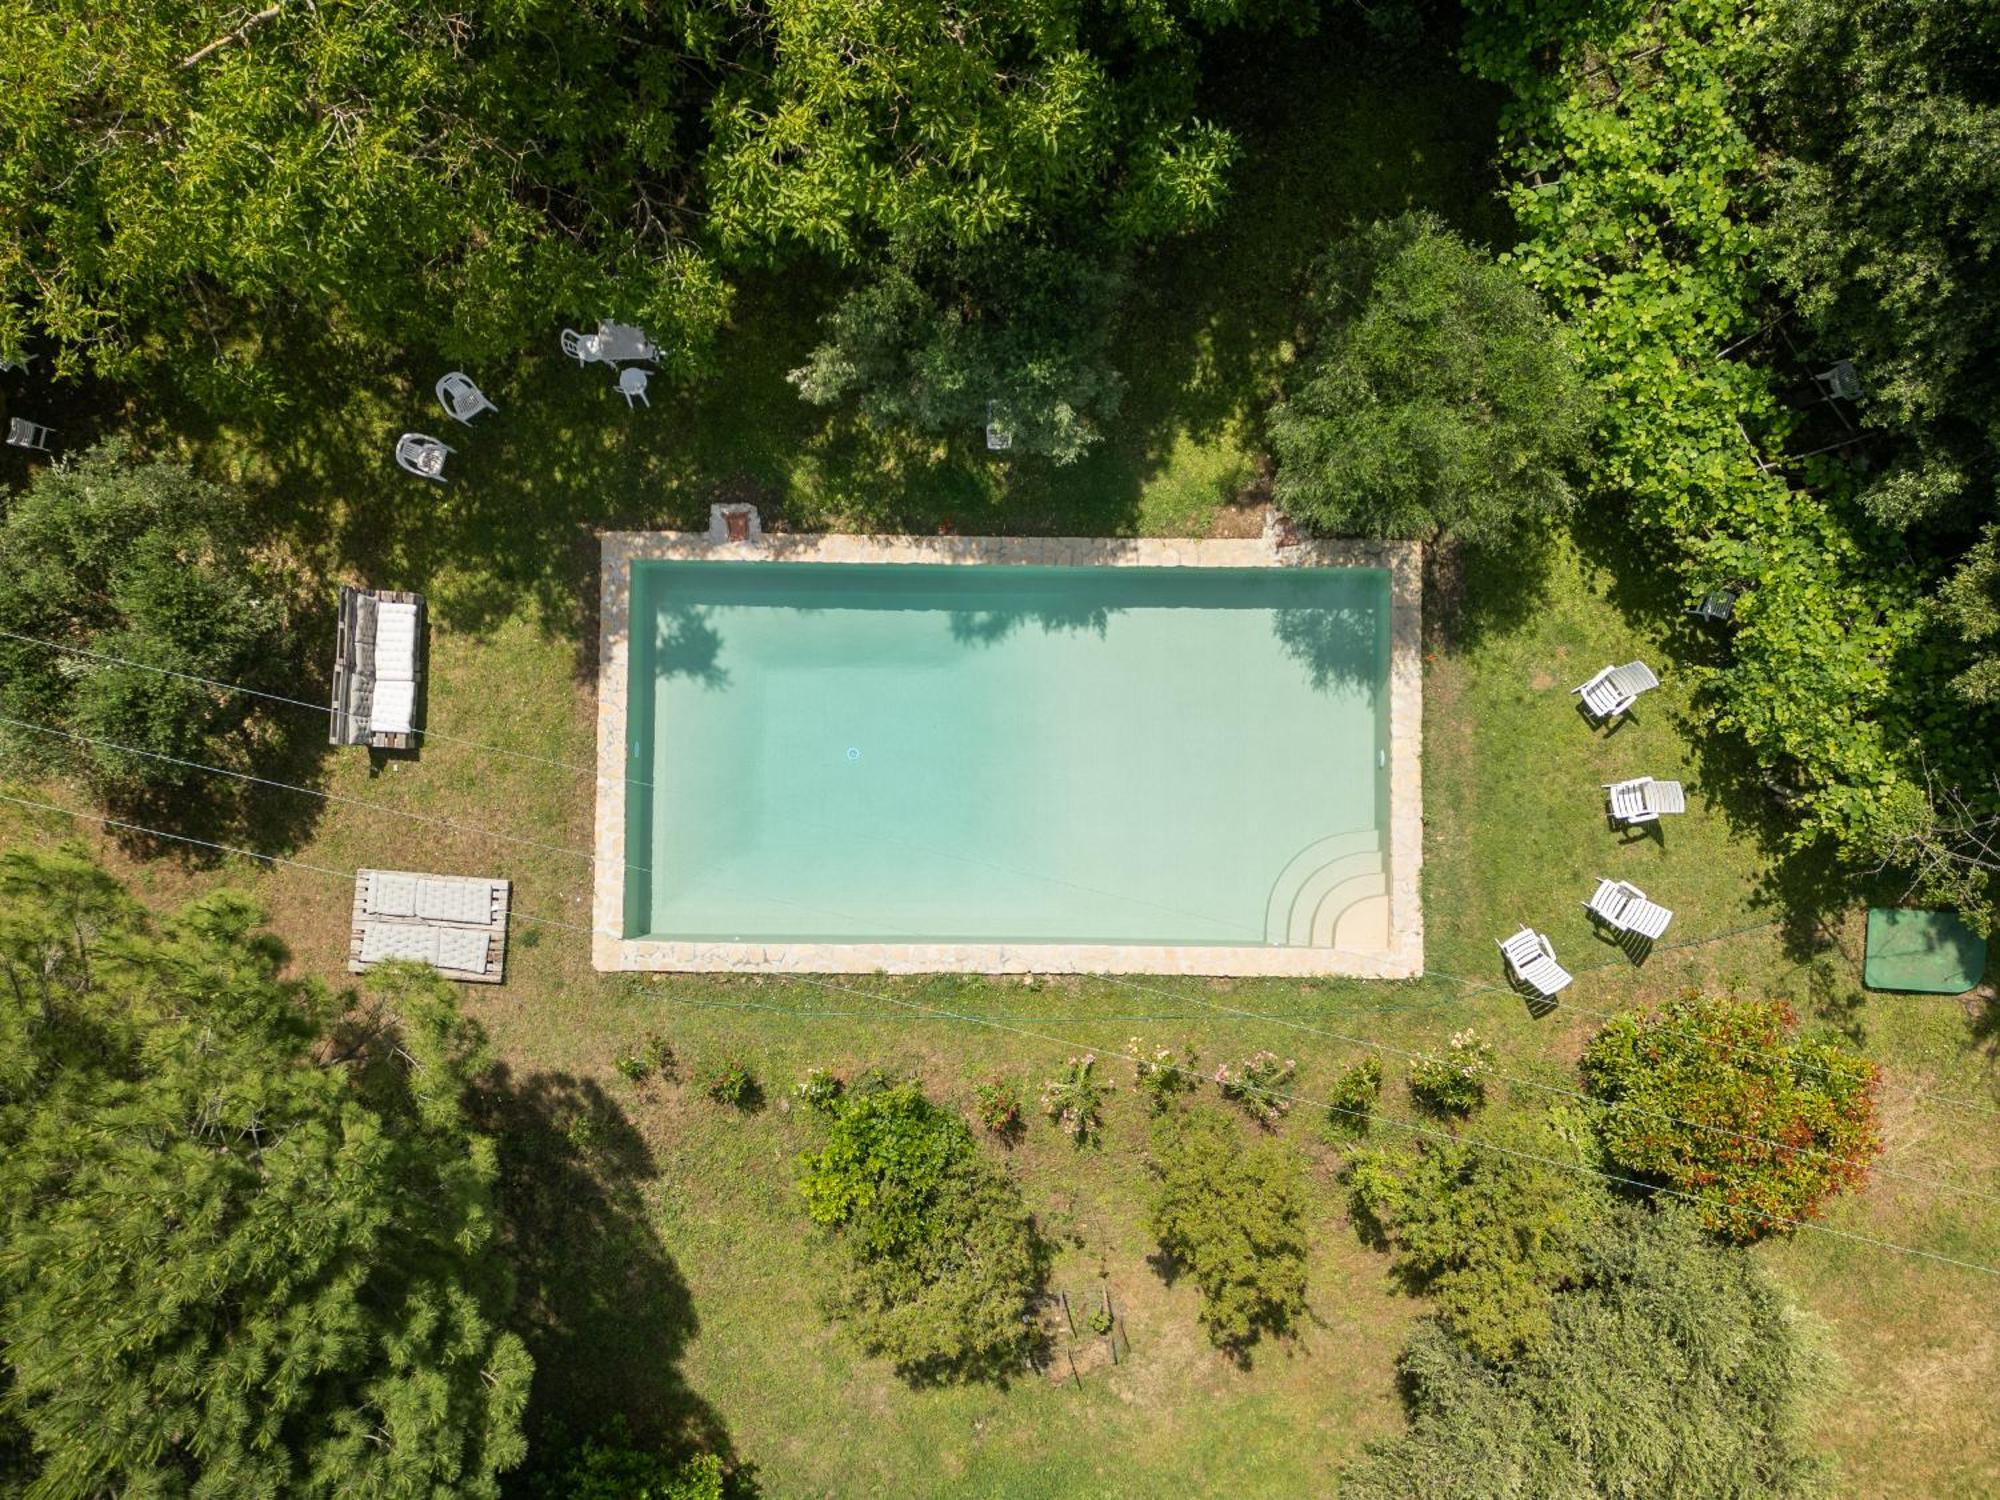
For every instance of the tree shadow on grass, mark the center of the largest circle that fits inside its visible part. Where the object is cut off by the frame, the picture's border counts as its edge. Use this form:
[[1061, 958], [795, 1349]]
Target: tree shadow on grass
[[1805, 887], [601, 1304]]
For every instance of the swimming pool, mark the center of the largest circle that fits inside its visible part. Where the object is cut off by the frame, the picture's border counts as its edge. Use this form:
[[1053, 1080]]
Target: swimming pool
[[955, 763]]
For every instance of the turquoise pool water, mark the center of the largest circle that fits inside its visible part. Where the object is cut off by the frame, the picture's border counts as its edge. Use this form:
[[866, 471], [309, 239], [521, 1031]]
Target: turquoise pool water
[[926, 754]]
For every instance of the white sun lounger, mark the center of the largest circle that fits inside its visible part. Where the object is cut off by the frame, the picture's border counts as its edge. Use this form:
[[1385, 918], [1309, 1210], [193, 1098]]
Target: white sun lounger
[[1623, 907], [1614, 690], [1644, 800], [1533, 962]]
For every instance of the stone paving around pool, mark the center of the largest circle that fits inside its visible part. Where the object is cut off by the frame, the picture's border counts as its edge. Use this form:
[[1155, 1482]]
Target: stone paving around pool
[[1380, 936]]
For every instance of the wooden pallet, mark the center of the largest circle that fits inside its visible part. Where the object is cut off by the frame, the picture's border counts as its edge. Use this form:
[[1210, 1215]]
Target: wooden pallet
[[494, 928]]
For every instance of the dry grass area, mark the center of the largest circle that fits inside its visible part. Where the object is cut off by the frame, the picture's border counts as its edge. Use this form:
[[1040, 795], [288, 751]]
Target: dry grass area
[[667, 1267]]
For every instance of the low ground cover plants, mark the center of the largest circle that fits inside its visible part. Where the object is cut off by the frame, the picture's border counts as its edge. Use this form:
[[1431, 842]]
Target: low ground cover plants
[[1256, 1085], [1074, 1099]]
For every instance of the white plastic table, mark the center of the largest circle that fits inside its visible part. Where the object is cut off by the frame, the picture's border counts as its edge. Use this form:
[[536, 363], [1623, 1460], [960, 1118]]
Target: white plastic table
[[617, 341]]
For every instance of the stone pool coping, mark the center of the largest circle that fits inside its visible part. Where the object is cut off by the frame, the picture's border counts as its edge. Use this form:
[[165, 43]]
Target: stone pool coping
[[1398, 955]]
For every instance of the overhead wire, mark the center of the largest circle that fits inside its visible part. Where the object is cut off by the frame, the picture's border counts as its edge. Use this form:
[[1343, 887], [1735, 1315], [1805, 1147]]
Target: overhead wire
[[345, 876], [1454, 1138], [323, 709]]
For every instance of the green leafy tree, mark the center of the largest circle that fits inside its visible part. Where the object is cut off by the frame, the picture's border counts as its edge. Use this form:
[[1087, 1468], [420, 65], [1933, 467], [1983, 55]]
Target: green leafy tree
[[1492, 1239], [143, 562], [1887, 222], [1437, 394], [1718, 1099], [171, 176], [1643, 197], [1674, 1367], [932, 126], [939, 1261], [248, 1242], [1017, 338], [1233, 1214]]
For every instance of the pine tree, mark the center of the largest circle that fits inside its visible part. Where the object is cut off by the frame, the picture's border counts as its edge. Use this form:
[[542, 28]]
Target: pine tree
[[248, 1238]]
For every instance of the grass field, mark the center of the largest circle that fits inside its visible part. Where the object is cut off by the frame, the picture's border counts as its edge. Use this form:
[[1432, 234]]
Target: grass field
[[667, 1270]]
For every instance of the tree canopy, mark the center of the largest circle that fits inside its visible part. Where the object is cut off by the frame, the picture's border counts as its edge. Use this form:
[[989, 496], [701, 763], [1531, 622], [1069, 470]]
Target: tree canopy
[[1014, 338], [1675, 1367], [456, 176], [939, 1262], [137, 562], [248, 1241], [1233, 1215], [1436, 395], [1717, 1098]]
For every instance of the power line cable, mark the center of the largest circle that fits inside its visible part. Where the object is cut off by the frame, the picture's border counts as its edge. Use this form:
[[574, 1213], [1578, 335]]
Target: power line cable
[[1473, 985], [1479, 1143], [325, 710], [307, 791], [345, 876], [1621, 1105]]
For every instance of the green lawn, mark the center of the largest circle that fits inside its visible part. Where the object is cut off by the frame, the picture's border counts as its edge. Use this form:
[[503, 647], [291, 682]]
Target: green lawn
[[667, 1270]]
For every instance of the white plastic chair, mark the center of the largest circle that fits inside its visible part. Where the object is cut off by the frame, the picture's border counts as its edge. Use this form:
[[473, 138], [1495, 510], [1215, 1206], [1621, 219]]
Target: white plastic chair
[[1623, 907], [461, 399], [632, 383], [1614, 690], [25, 434], [999, 437], [1643, 800], [1533, 962], [422, 456], [581, 347]]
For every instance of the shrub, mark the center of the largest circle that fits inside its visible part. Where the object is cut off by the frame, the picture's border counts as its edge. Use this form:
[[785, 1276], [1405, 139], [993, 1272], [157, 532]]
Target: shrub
[[1674, 1367], [1492, 1238], [1074, 1099], [632, 1067], [998, 1104], [1254, 1086], [1453, 1082], [659, 1054], [940, 1263], [1352, 1099], [820, 1091], [1162, 1075], [732, 1083], [1231, 1213], [1713, 1097], [147, 563], [1017, 336], [612, 1466], [650, 1057], [1438, 394]]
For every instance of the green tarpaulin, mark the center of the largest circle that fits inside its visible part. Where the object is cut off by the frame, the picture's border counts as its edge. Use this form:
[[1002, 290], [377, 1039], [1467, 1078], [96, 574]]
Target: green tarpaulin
[[1932, 952]]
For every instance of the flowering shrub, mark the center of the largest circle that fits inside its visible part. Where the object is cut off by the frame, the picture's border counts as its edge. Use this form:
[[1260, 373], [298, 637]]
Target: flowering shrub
[[1255, 1085], [1353, 1097], [1074, 1098], [1453, 1082], [1162, 1074], [1716, 1098], [820, 1091], [997, 1104]]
